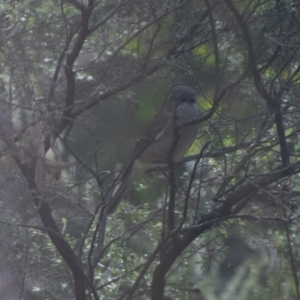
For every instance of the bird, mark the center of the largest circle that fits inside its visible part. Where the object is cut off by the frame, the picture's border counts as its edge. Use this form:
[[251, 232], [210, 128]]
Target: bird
[[156, 145]]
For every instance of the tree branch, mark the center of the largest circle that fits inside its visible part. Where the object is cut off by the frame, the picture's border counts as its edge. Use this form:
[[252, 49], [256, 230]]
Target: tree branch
[[80, 108], [252, 63], [207, 221], [45, 213]]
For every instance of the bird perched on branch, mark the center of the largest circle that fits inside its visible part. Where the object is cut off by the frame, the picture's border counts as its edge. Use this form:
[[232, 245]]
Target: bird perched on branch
[[163, 139]]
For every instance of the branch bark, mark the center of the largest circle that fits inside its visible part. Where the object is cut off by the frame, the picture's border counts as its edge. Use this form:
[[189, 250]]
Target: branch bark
[[209, 220]]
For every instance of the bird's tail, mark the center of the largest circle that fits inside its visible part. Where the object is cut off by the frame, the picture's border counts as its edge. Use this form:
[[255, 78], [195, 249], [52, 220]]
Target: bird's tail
[[121, 190], [137, 170]]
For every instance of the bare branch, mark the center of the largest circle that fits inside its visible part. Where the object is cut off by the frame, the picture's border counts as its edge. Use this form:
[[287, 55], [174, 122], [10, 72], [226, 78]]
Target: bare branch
[[208, 220], [252, 63], [106, 18]]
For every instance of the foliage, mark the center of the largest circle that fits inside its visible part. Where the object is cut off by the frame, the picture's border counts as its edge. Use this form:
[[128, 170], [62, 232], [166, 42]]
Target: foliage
[[80, 80]]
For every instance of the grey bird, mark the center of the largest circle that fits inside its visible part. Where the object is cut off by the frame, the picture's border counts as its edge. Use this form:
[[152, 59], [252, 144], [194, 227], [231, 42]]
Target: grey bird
[[155, 147]]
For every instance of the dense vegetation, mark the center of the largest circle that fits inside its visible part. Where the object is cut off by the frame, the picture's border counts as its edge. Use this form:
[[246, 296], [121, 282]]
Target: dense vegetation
[[79, 82]]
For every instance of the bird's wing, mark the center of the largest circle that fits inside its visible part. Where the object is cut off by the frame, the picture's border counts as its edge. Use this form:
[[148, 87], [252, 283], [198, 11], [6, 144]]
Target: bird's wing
[[157, 126], [131, 173]]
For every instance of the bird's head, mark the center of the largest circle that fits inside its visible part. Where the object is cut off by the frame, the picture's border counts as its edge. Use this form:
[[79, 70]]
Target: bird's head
[[182, 94]]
